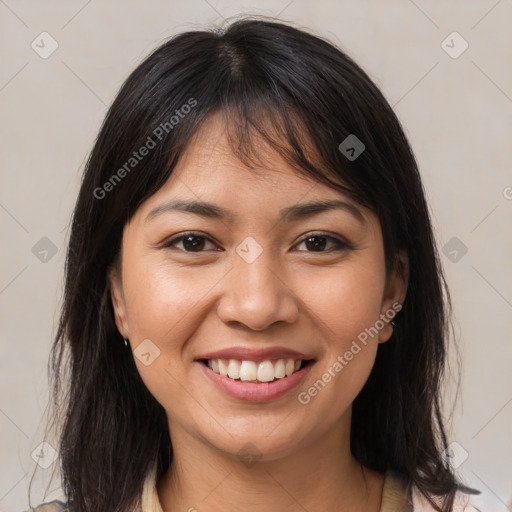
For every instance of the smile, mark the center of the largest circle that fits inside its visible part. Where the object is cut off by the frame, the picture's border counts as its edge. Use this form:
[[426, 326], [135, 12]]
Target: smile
[[254, 381], [254, 371]]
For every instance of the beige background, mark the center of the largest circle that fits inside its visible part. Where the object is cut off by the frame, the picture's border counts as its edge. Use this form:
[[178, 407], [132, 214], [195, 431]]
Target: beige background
[[456, 112]]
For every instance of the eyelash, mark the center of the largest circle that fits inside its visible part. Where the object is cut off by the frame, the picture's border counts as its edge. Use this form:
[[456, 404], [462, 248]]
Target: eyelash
[[339, 243]]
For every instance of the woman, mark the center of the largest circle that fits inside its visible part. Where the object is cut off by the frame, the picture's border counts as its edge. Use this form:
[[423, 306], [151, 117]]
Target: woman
[[253, 315]]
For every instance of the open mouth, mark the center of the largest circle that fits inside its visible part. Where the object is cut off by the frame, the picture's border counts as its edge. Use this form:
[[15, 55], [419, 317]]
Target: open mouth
[[256, 372]]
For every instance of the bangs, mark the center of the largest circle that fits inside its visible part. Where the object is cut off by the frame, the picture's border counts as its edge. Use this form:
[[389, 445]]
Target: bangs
[[257, 127], [253, 127]]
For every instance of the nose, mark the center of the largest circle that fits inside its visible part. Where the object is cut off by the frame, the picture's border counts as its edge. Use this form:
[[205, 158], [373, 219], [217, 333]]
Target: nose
[[257, 294]]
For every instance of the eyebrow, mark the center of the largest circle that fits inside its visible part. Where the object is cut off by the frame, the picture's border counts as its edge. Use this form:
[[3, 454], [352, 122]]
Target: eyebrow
[[288, 214]]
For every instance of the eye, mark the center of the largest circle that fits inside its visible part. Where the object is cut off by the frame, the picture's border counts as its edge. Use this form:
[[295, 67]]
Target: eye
[[195, 242], [192, 242], [317, 241]]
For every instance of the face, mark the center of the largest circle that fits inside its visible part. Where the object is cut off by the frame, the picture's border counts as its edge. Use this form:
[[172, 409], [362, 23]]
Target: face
[[266, 283]]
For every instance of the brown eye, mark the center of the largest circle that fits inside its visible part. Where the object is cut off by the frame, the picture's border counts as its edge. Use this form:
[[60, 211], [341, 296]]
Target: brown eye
[[191, 242], [317, 242]]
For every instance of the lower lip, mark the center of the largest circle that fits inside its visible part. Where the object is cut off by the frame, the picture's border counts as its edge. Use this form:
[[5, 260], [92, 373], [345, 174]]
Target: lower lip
[[256, 392]]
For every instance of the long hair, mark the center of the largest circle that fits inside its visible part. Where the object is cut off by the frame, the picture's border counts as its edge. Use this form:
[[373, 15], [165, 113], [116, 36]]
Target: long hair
[[305, 97]]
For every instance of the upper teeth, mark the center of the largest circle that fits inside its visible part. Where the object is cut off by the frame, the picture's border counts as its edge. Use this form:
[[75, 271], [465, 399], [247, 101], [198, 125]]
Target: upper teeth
[[264, 371]]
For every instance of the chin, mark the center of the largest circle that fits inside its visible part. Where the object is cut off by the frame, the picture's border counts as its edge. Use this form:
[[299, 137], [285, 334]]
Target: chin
[[258, 445]]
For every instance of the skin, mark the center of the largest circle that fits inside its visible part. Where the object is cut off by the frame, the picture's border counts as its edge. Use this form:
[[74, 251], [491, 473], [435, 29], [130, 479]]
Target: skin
[[316, 301]]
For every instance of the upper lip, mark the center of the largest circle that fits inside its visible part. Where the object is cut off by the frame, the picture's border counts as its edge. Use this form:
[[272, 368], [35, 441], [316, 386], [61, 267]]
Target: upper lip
[[253, 354]]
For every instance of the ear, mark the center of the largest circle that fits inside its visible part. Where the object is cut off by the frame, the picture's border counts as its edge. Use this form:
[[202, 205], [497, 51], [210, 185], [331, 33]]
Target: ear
[[394, 294], [118, 303]]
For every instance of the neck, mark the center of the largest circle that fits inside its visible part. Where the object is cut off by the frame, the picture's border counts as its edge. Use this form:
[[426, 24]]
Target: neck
[[320, 476]]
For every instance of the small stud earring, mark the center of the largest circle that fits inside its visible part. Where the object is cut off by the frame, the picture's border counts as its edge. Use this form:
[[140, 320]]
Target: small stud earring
[[125, 342]]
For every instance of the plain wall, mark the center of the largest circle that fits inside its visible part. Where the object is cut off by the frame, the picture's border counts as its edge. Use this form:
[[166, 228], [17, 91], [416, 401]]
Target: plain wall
[[456, 113]]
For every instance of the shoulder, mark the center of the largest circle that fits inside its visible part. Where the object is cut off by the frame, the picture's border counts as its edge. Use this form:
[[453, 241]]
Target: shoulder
[[462, 502], [400, 495], [51, 506]]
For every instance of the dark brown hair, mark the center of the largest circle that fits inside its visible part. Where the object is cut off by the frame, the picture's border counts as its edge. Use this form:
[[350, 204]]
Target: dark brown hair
[[261, 74]]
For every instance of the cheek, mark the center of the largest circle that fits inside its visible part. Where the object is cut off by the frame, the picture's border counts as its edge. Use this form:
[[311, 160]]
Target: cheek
[[161, 308], [161, 300], [166, 306], [347, 303], [347, 309]]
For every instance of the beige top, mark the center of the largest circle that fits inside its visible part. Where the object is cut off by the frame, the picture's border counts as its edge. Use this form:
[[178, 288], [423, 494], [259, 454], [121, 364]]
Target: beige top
[[395, 498]]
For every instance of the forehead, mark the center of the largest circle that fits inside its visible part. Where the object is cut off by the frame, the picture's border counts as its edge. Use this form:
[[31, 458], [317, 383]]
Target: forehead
[[210, 157], [210, 172], [209, 164]]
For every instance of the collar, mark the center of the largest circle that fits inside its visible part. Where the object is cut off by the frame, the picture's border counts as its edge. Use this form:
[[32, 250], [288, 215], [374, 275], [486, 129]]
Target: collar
[[395, 494]]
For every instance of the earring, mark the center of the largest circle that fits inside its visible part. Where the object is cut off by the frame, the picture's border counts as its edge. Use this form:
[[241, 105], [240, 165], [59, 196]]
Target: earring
[[125, 342], [393, 324]]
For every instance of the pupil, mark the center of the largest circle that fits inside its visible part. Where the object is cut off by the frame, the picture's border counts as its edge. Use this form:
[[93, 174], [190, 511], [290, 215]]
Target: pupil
[[188, 245], [316, 245]]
